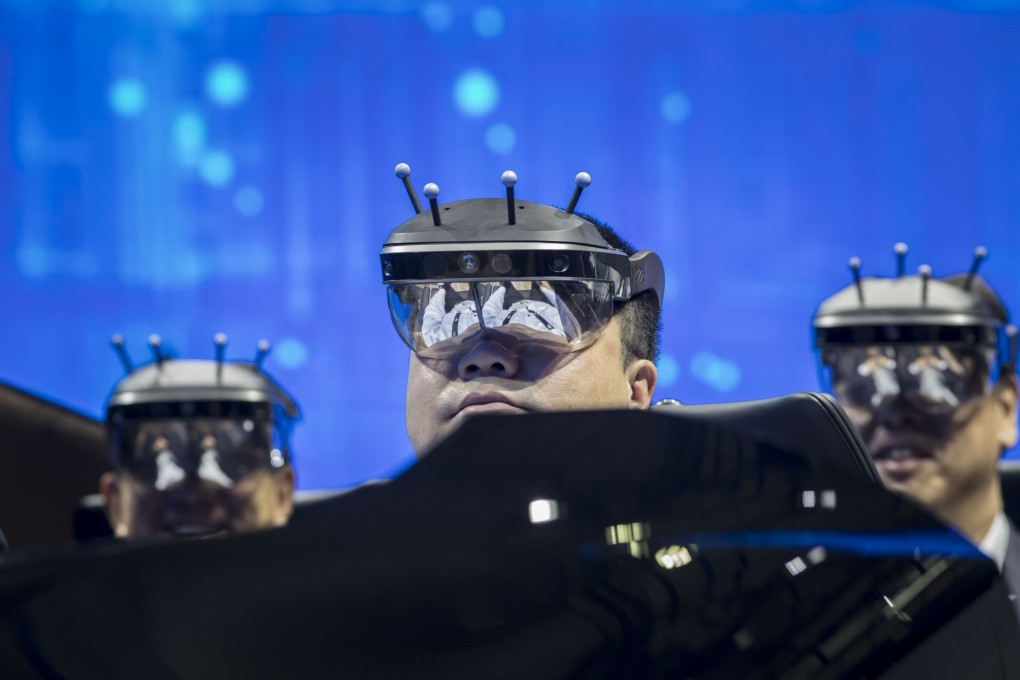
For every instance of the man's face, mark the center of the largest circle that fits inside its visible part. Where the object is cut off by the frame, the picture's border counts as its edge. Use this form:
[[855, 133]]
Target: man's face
[[521, 377], [194, 507], [941, 460]]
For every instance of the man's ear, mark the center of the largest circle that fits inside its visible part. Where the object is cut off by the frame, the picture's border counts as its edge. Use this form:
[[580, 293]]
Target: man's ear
[[1006, 397], [642, 376], [109, 486], [284, 481]]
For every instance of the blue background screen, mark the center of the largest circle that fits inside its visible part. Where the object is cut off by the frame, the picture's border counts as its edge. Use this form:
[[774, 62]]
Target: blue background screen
[[188, 167]]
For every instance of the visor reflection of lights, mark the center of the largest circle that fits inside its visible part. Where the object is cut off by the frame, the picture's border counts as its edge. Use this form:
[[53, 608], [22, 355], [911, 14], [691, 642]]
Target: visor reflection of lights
[[931, 376], [169, 473], [439, 324]]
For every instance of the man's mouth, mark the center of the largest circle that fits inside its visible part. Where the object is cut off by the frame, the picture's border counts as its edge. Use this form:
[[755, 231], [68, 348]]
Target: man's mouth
[[901, 460], [487, 402]]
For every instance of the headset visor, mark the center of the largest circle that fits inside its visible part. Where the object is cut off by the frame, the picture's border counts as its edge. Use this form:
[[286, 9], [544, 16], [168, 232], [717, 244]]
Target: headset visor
[[445, 320], [932, 378], [165, 451]]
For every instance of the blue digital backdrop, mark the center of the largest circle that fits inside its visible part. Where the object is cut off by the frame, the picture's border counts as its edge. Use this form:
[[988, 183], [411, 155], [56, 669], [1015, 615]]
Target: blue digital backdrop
[[194, 166]]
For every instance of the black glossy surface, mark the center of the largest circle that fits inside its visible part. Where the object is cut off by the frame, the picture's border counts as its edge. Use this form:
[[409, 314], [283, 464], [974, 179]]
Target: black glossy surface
[[440, 573]]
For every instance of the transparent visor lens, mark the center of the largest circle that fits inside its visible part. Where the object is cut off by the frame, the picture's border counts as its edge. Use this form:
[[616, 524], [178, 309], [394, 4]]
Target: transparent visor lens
[[445, 320], [931, 378], [222, 451]]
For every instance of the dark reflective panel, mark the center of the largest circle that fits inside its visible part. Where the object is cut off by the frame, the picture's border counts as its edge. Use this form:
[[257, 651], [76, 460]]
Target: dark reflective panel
[[691, 544]]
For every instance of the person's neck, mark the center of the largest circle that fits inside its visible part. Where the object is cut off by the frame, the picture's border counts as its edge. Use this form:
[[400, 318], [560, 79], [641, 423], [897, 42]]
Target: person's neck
[[974, 514]]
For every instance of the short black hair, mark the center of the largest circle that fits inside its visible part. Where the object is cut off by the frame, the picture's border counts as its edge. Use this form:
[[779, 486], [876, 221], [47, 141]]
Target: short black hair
[[641, 316]]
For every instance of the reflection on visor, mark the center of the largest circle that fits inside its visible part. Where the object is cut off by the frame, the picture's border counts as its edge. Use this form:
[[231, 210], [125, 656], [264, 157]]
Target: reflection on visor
[[164, 452], [933, 378], [445, 320]]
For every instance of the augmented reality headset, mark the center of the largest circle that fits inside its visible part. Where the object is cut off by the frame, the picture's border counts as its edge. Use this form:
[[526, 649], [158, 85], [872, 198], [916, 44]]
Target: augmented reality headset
[[214, 420], [929, 344], [507, 271]]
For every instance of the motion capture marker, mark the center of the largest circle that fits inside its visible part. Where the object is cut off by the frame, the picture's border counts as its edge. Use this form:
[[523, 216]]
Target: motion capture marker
[[432, 193], [261, 350], [901, 259], [117, 341], [219, 340], [855, 268], [509, 179], [403, 171], [924, 271], [980, 253], [156, 344], [582, 180]]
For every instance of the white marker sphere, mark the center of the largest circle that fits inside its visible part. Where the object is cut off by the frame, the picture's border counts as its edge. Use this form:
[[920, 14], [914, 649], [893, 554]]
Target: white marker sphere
[[402, 170], [509, 178], [981, 252], [582, 180], [900, 248], [155, 340], [924, 270], [263, 346], [855, 263], [431, 191], [220, 338]]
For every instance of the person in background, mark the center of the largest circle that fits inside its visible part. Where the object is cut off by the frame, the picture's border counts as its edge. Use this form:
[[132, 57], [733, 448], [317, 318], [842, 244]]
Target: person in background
[[199, 448], [926, 369]]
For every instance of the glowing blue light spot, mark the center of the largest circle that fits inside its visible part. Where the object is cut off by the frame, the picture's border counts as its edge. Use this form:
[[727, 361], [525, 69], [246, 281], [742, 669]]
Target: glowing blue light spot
[[226, 83], [189, 132], [675, 107], [500, 138], [669, 370], [438, 16], [216, 168], [33, 262], [249, 201], [476, 92], [186, 11], [127, 97], [721, 374], [291, 353], [489, 22]]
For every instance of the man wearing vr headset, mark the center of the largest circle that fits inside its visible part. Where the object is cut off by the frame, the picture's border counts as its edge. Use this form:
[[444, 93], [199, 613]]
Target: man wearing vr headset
[[514, 307], [926, 370], [199, 448]]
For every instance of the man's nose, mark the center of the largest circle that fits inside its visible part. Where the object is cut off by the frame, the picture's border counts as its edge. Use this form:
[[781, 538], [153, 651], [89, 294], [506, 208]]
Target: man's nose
[[899, 415], [193, 489], [488, 358]]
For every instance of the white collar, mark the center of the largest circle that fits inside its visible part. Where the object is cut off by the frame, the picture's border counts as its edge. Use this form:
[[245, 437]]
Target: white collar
[[996, 541]]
